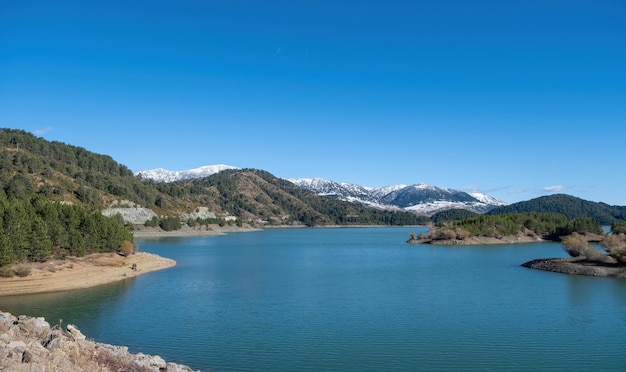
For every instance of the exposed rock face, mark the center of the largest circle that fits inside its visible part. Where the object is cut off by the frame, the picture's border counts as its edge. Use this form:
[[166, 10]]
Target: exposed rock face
[[30, 344], [201, 212], [134, 215]]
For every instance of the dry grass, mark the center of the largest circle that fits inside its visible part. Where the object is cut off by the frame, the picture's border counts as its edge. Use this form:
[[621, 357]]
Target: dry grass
[[107, 260], [106, 359]]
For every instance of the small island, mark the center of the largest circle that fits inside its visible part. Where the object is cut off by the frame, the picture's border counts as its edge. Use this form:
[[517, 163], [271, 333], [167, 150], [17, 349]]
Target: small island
[[592, 251]]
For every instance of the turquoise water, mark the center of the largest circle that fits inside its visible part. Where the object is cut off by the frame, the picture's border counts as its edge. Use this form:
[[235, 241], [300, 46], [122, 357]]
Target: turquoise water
[[351, 299]]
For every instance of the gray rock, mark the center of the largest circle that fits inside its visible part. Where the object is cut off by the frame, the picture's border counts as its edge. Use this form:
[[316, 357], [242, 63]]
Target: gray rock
[[75, 332], [17, 344], [29, 344], [135, 216], [157, 362]]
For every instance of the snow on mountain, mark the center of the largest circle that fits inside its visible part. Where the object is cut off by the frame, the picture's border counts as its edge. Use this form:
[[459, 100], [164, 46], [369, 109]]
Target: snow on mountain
[[487, 199], [419, 198], [164, 175], [382, 191], [331, 188]]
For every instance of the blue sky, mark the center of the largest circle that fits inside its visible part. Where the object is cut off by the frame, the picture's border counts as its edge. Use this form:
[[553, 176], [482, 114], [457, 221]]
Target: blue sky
[[516, 99]]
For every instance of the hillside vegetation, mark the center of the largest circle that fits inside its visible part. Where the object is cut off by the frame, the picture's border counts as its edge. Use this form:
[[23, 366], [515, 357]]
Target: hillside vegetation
[[66, 173], [550, 226], [567, 205]]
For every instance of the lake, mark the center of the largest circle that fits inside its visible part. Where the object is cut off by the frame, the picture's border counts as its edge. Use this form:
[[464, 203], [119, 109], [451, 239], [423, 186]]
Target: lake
[[350, 299]]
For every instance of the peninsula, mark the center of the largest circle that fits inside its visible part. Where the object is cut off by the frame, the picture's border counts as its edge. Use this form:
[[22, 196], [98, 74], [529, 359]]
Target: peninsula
[[79, 272]]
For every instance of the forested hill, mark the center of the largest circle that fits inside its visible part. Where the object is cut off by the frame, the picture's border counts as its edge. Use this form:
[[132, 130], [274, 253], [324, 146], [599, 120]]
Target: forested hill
[[30, 165], [61, 172], [252, 193], [570, 206]]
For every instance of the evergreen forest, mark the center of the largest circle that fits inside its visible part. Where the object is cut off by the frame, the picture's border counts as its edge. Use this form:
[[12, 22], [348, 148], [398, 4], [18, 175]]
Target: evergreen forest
[[35, 229], [551, 226]]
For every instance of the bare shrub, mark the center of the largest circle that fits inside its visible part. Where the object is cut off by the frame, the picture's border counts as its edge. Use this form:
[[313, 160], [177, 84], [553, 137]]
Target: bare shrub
[[446, 234], [6, 272], [22, 271], [615, 244], [114, 260], [462, 234], [127, 248], [576, 245], [107, 361]]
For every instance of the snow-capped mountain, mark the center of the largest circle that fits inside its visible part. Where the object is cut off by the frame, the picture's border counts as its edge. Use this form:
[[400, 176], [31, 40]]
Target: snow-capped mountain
[[419, 198], [164, 175], [330, 188]]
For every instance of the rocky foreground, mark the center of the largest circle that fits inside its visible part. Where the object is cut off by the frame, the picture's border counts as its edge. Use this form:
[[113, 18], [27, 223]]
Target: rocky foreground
[[30, 344]]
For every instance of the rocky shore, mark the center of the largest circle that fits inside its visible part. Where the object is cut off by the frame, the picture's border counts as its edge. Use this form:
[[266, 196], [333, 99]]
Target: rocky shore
[[31, 344], [577, 266], [478, 240]]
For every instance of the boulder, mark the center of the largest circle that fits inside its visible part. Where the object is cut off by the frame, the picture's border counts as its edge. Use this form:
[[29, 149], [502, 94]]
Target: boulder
[[75, 332]]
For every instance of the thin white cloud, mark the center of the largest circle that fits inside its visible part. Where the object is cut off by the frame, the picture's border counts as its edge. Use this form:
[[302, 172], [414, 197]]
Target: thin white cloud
[[42, 131], [473, 188], [278, 51], [554, 188], [517, 191], [482, 190]]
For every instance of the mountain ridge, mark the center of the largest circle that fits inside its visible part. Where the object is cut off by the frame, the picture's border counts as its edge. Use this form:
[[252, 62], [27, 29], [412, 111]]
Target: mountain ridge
[[164, 175], [419, 198]]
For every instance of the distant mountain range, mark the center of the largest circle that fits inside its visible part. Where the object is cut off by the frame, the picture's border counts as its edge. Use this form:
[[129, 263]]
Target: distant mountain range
[[72, 175], [164, 175], [419, 198]]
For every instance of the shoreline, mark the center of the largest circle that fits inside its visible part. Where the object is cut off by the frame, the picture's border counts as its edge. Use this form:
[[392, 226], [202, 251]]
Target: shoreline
[[190, 232], [32, 344], [481, 240], [576, 266], [74, 273], [80, 273]]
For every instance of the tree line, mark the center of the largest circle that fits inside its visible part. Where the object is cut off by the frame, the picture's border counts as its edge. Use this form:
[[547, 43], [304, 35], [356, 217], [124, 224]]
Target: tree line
[[35, 229], [546, 225]]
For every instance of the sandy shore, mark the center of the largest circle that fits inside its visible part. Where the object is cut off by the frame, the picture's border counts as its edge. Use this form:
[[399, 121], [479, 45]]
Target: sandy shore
[[83, 272], [98, 269]]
